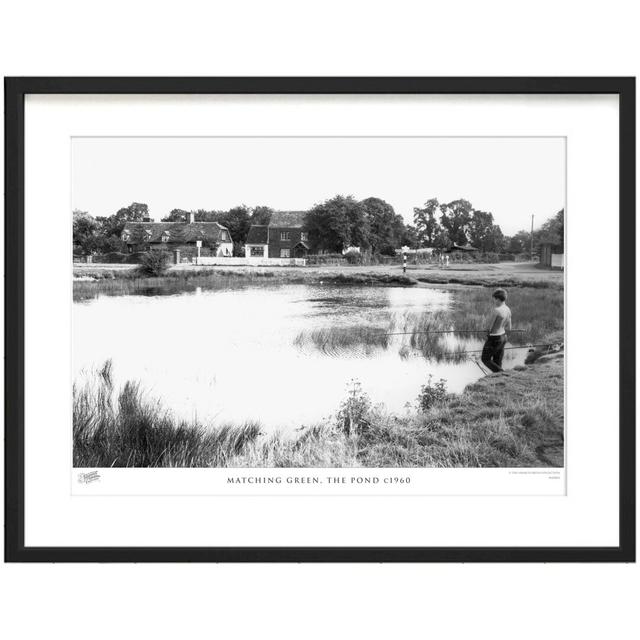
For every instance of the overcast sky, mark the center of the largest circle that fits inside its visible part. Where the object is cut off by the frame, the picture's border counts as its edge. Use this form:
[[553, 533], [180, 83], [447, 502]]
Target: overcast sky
[[510, 177]]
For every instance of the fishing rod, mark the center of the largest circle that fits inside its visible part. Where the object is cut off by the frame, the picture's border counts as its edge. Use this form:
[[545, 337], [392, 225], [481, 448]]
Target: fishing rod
[[410, 333], [462, 353]]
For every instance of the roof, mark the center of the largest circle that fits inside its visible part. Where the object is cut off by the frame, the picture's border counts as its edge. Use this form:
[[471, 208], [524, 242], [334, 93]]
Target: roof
[[287, 218], [178, 231], [458, 247], [258, 234]]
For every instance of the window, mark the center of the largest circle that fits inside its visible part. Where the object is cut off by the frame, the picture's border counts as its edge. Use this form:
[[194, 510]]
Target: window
[[285, 235], [165, 236], [224, 236], [126, 236], [257, 252], [304, 236], [285, 253]]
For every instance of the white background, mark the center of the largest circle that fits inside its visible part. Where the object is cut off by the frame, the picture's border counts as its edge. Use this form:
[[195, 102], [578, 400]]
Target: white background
[[586, 516], [328, 38]]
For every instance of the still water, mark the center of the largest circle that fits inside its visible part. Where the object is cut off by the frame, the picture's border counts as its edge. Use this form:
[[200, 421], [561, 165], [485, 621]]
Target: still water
[[245, 353]]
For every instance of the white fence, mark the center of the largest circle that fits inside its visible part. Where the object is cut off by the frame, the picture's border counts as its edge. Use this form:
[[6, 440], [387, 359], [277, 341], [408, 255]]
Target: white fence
[[249, 262]]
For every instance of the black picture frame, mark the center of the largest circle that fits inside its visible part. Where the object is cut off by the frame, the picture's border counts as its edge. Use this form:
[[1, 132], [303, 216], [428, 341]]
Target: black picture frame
[[15, 91]]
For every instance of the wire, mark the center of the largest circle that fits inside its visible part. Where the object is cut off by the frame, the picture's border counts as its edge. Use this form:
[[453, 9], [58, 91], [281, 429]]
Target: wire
[[462, 353], [410, 333]]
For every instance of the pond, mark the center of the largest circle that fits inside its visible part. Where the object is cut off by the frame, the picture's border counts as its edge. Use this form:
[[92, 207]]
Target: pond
[[283, 355]]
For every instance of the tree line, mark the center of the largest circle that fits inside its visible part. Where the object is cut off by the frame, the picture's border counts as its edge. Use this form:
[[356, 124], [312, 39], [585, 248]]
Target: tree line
[[339, 223], [440, 225]]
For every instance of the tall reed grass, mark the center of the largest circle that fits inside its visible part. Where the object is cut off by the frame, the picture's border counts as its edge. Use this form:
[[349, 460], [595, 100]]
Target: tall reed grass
[[514, 419], [445, 334]]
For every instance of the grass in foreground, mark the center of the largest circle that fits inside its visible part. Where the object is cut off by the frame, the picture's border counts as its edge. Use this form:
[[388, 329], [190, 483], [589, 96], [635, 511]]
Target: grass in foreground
[[514, 419]]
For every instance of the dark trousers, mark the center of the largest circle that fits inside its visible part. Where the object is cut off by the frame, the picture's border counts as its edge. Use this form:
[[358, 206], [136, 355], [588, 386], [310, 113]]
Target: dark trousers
[[493, 351]]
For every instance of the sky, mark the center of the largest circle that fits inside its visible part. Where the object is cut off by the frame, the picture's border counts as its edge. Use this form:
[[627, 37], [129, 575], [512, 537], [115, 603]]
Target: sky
[[512, 178]]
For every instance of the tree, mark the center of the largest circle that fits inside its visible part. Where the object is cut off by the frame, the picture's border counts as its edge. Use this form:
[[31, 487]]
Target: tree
[[410, 237], [238, 221], [336, 224], [552, 231], [399, 231], [203, 215], [111, 244], [442, 240], [261, 215], [113, 225], [494, 239], [455, 219], [520, 242], [385, 227], [426, 222], [85, 231], [176, 215], [480, 228]]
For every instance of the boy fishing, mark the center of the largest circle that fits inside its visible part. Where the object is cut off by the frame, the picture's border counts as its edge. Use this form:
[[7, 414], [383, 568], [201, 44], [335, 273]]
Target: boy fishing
[[493, 349]]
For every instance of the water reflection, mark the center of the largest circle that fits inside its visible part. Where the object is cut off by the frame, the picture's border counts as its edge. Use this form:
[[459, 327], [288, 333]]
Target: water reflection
[[280, 354]]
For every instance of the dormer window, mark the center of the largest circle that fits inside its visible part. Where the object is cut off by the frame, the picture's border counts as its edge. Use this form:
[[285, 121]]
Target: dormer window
[[126, 236], [147, 234], [166, 236]]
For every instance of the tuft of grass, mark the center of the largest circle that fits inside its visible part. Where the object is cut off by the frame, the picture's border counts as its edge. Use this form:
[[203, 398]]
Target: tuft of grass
[[126, 429], [513, 419], [359, 340], [539, 314]]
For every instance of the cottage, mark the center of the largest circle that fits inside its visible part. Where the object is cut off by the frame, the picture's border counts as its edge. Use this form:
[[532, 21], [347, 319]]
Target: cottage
[[283, 237], [212, 238]]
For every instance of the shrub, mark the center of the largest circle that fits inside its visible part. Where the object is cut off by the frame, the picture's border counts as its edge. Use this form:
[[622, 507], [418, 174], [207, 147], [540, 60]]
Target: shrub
[[432, 394], [154, 263], [354, 412], [353, 257], [387, 250], [326, 259]]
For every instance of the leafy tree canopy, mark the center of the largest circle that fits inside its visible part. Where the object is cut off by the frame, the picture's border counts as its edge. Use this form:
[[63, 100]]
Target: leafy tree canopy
[[455, 218], [336, 224], [426, 222], [385, 227]]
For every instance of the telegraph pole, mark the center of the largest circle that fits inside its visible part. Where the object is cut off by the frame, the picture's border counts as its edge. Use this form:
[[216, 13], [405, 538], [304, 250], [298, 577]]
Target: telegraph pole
[[531, 237]]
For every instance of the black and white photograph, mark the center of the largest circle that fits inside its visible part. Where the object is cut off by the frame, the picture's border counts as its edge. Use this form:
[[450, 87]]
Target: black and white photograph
[[320, 319], [318, 302]]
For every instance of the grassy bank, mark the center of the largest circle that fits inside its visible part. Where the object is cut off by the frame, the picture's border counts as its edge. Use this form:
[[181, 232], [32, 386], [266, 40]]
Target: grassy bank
[[513, 419], [508, 274], [88, 283]]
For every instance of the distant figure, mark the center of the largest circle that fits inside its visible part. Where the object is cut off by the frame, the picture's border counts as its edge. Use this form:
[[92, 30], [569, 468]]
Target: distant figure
[[404, 263], [446, 260], [493, 349]]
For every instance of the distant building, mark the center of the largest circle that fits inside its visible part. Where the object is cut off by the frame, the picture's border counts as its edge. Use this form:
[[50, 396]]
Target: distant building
[[147, 235], [283, 237], [552, 255]]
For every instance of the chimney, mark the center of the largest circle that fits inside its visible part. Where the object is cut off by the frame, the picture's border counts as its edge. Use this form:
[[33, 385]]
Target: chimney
[[191, 217]]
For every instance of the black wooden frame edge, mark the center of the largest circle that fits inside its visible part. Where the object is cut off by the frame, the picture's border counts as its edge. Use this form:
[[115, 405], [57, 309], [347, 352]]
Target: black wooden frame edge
[[17, 88]]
